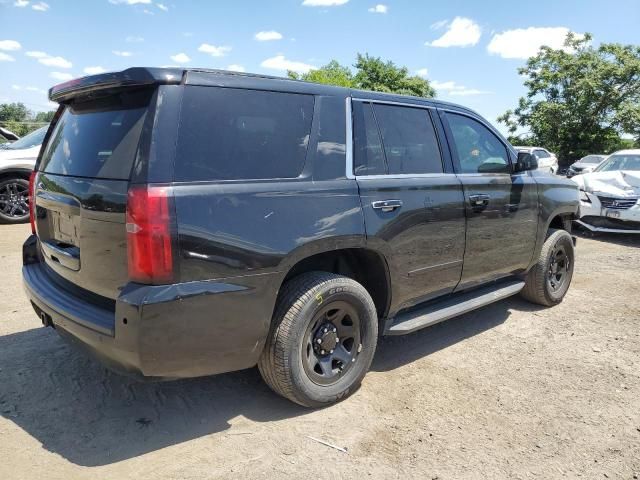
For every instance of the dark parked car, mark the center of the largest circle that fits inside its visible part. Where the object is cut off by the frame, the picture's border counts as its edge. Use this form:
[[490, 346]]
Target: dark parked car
[[195, 222]]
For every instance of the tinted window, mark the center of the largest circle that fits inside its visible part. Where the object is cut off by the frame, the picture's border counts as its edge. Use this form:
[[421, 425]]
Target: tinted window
[[368, 158], [229, 134], [409, 140], [97, 139], [479, 150], [542, 154], [620, 162]]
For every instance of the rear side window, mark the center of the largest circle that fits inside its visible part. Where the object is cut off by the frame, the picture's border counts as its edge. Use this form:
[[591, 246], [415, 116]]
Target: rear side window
[[368, 157], [409, 139], [97, 139], [479, 149], [232, 134]]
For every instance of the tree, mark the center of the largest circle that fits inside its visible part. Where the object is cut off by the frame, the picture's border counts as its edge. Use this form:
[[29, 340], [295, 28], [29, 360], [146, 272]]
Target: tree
[[581, 99], [20, 120], [372, 73], [331, 74]]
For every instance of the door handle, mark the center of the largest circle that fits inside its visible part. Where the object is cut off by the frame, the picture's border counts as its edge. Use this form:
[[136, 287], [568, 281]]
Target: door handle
[[479, 201], [387, 205]]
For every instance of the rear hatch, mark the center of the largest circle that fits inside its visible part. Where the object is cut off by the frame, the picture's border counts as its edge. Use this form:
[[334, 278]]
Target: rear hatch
[[81, 189]]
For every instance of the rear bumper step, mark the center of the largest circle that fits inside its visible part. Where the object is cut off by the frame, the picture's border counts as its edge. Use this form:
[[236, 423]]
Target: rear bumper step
[[452, 307]]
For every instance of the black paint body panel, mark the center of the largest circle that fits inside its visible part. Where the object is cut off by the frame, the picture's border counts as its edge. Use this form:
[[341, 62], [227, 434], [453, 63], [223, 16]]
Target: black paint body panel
[[236, 241]]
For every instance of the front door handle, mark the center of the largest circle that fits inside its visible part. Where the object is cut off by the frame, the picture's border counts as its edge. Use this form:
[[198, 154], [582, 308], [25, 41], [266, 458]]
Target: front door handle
[[387, 205], [479, 201]]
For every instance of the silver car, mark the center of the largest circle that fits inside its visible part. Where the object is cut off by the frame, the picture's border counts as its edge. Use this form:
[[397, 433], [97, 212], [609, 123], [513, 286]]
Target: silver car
[[585, 165], [17, 160]]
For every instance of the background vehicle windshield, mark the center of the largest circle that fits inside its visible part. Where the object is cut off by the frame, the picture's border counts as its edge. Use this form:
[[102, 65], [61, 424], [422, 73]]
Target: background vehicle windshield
[[620, 162], [591, 159], [33, 139]]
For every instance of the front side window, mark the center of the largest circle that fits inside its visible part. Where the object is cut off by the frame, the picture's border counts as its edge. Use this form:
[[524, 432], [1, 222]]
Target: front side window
[[542, 154], [409, 139], [233, 134], [479, 149]]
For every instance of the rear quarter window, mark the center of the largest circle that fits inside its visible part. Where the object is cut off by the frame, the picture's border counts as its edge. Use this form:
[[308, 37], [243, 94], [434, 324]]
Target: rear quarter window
[[233, 134]]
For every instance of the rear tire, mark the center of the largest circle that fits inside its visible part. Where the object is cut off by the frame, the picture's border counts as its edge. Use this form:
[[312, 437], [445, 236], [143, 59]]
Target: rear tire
[[549, 279], [322, 339], [14, 200]]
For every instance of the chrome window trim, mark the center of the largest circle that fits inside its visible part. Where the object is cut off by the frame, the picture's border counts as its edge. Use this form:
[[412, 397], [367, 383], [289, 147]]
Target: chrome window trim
[[349, 154], [349, 140]]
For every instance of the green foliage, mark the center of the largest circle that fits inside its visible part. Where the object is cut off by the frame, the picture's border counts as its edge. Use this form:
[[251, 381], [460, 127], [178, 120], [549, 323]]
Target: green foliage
[[371, 73], [20, 120], [331, 74], [580, 99]]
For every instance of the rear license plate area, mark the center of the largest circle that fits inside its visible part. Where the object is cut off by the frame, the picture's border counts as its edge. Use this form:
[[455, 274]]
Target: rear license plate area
[[64, 229]]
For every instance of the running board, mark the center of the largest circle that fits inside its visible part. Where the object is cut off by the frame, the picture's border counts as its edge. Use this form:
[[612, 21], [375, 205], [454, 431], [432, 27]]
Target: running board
[[452, 307]]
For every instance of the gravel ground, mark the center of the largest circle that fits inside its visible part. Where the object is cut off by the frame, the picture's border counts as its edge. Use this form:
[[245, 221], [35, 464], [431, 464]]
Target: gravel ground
[[509, 391]]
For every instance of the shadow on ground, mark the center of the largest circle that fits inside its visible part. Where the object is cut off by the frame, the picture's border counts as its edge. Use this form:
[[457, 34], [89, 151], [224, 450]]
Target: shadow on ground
[[622, 239], [92, 417]]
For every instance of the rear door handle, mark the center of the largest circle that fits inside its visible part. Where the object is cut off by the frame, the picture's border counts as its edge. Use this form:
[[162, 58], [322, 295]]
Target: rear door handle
[[479, 201], [387, 205]]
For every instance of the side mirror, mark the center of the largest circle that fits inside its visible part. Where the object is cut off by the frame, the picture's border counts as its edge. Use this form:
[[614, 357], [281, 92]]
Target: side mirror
[[525, 162]]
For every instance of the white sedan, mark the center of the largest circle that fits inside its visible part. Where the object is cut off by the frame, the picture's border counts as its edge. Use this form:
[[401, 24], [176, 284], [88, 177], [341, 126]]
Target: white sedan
[[547, 161], [610, 195]]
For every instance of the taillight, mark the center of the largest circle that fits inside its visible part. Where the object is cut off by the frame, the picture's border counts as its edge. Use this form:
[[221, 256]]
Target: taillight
[[149, 234], [32, 200]]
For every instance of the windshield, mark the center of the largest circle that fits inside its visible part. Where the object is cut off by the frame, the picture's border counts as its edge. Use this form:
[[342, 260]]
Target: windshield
[[34, 139], [620, 162], [591, 159]]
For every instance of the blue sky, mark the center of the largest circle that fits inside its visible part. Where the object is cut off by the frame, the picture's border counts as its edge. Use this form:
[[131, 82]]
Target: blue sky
[[469, 50]]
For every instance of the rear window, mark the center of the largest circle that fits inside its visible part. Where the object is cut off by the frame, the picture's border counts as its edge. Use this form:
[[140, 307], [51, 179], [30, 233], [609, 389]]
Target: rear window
[[232, 134], [97, 139]]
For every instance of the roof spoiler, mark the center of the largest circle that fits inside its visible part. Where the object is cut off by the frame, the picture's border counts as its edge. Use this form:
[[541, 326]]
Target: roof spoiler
[[130, 77]]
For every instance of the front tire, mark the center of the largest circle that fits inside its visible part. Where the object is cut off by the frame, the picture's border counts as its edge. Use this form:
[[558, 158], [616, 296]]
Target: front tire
[[549, 279], [322, 340], [14, 200]]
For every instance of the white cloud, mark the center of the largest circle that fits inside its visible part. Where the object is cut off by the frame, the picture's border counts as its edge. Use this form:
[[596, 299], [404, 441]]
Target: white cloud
[[40, 6], [4, 57], [438, 25], [323, 3], [526, 42], [180, 58], [455, 90], [235, 68], [10, 45], [35, 89], [279, 62], [134, 39], [130, 2], [36, 54], [57, 62], [213, 50], [21, 3], [162, 6], [61, 76], [422, 72], [93, 70], [267, 35], [121, 53], [379, 8], [16, 87], [148, 12], [461, 32]]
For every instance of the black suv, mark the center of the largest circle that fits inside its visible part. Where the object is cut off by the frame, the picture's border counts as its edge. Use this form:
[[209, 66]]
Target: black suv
[[193, 222]]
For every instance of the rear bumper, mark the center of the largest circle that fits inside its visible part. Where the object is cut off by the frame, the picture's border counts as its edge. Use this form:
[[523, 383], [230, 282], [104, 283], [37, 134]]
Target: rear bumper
[[170, 331]]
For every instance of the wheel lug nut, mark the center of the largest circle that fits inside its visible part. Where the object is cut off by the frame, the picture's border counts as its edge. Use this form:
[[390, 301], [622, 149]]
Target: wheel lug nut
[[330, 351], [322, 352], [319, 340], [326, 330], [335, 329]]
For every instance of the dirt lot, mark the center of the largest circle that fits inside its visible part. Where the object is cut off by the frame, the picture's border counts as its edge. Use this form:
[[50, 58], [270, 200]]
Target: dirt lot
[[509, 391]]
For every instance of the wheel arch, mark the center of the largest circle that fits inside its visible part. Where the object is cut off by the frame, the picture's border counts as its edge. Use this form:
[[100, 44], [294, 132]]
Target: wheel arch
[[364, 265]]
